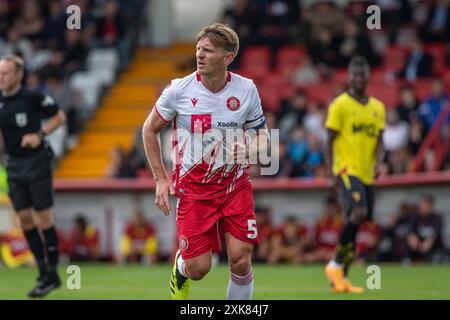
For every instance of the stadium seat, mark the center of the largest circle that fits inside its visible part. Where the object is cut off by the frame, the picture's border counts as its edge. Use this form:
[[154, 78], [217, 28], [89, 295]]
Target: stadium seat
[[270, 98], [257, 60], [323, 93], [437, 51], [388, 94], [100, 59], [88, 86], [288, 59], [423, 88], [394, 58]]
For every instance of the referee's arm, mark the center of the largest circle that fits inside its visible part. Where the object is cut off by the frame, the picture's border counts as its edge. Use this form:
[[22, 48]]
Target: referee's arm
[[33, 140]]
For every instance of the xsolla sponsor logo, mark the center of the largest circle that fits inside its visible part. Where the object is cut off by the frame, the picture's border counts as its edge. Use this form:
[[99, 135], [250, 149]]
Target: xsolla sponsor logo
[[226, 124]]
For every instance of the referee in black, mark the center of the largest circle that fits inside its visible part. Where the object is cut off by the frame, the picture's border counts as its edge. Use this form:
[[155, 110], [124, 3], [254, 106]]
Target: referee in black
[[29, 160]]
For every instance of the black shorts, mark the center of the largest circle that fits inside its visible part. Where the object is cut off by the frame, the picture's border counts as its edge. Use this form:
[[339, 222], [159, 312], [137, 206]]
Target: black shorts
[[30, 181], [354, 193]]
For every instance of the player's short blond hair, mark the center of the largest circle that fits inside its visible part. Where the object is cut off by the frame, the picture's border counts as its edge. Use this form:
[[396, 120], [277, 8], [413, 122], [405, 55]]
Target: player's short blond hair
[[221, 35]]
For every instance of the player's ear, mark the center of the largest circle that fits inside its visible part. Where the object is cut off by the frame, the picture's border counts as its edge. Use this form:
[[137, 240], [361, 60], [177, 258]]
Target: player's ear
[[229, 57]]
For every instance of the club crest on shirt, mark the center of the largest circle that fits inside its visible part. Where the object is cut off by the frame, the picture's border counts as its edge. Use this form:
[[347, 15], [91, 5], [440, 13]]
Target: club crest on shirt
[[184, 244], [233, 103], [21, 119]]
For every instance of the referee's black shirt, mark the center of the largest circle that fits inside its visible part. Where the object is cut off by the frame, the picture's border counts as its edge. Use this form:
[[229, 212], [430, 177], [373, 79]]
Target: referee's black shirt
[[22, 113]]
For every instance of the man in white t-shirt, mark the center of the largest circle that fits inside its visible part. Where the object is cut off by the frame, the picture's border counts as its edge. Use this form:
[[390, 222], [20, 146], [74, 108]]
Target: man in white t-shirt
[[212, 185]]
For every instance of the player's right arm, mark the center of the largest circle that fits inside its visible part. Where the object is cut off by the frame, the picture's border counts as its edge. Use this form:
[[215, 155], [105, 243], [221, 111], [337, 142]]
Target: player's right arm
[[153, 125], [163, 111], [333, 124]]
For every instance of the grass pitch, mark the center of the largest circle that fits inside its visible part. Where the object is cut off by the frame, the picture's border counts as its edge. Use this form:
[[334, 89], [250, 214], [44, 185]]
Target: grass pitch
[[286, 282]]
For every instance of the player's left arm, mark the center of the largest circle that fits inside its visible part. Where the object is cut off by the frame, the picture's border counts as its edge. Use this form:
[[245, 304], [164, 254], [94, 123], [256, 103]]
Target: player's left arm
[[56, 117], [379, 151], [256, 131], [379, 155]]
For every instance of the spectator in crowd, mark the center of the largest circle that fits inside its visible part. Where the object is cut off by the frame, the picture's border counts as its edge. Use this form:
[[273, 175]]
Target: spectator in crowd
[[30, 22], [416, 134], [82, 244], [418, 63], [408, 105], [119, 166], [322, 50], [243, 17], [6, 18], [354, 42], [109, 27], [139, 243], [314, 165], [314, 120], [297, 148], [367, 240], [14, 250], [75, 52], [265, 229], [16, 44], [292, 112], [429, 110], [289, 242], [285, 164], [437, 25], [306, 73], [55, 24], [425, 233], [395, 141], [327, 232]]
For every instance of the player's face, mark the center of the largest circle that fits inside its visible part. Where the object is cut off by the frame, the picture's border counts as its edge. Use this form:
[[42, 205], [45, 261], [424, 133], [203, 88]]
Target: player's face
[[9, 76], [211, 59], [358, 77]]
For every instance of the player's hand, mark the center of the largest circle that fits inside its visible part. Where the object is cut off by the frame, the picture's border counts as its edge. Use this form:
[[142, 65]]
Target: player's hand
[[239, 151], [163, 188], [31, 140], [380, 170]]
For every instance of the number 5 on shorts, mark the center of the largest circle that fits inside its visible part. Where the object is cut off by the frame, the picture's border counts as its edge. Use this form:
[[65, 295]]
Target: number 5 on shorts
[[252, 228]]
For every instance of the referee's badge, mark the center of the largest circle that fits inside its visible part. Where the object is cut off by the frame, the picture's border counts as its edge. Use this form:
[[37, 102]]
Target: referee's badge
[[21, 119]]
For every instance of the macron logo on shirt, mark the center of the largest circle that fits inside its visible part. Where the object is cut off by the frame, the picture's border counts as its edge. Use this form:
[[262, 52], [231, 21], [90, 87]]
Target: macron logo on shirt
[[194, 101]]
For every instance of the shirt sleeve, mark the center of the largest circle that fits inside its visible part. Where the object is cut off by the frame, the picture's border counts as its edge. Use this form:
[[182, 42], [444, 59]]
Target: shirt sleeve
[[334, 117], [382, 123], [46, 105], [166, 104], [255, 119]]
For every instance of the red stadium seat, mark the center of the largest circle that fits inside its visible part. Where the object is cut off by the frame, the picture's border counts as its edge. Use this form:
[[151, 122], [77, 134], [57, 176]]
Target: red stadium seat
[[256, 60], [388, 94], [394, 58], [270, 97], [437, 51], [323, 93], [423, 88], [288, 59]]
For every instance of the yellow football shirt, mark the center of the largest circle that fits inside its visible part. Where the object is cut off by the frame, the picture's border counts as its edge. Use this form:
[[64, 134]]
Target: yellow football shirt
[[358, 127]]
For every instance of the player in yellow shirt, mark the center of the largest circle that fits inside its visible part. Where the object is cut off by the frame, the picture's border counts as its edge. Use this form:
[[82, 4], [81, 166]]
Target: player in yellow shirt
[[355, 123]]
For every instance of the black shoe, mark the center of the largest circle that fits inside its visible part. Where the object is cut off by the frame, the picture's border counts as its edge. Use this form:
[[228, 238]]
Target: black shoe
[[49, 283]]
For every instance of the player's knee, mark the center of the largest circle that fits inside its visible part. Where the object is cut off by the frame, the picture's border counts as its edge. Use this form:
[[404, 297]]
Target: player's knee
[[241, 265], [199, 272], [26, 220], [358, 215]]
